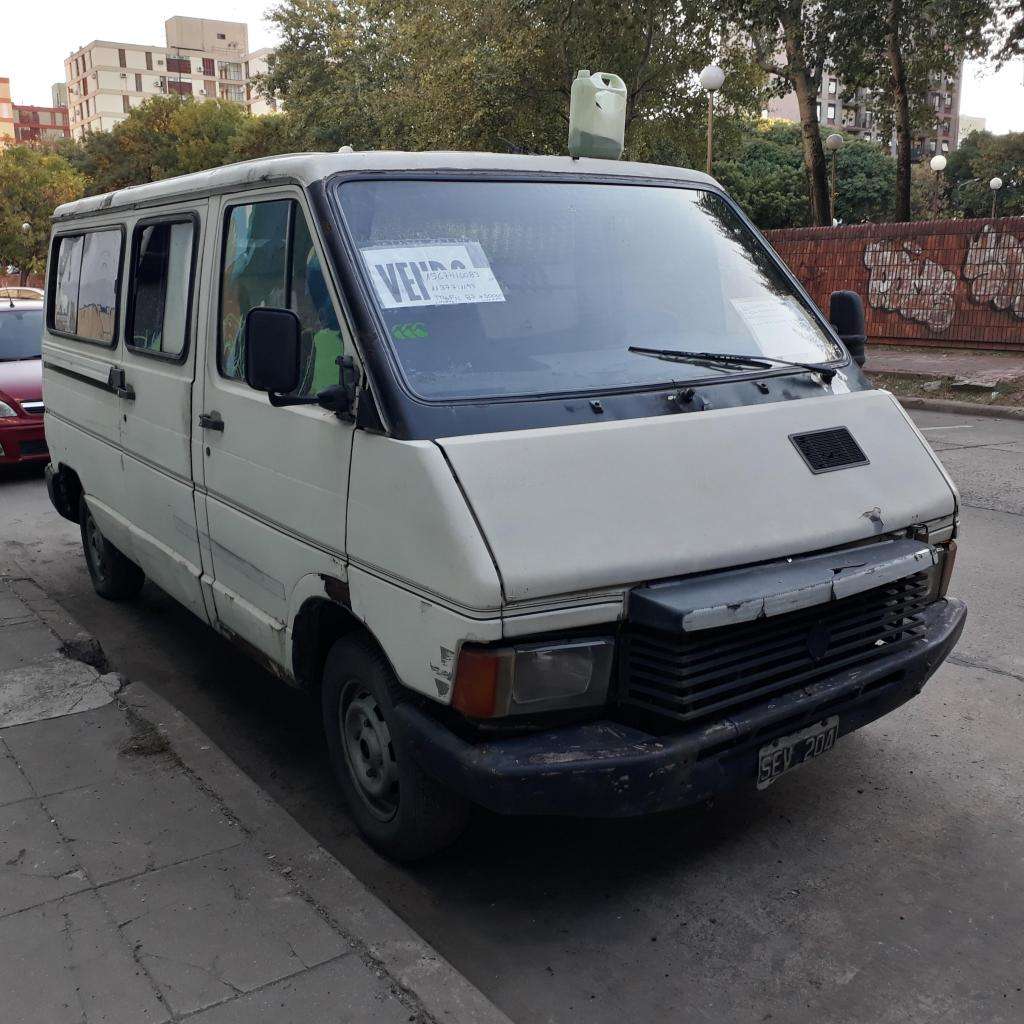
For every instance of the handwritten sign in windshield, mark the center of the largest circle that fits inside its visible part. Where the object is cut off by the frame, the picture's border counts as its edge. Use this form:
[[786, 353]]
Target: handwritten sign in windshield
[[443, 274]]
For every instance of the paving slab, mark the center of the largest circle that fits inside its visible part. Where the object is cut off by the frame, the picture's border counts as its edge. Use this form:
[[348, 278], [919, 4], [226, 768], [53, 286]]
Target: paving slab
[[13, 784], [65, 963], [140, 822], [71, 752], [339, 992], [219, 926], [35, 864]]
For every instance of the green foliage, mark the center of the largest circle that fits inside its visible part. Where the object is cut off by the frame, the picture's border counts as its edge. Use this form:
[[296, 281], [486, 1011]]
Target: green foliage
[[866, 182], [32, 183], [895, 49], [765, 174], [979, 159], [496, 76], [170, 135]]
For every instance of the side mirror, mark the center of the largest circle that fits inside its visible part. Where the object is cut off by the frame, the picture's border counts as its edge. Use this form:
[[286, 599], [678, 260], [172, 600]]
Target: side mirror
[[273, 350], [846, 314]]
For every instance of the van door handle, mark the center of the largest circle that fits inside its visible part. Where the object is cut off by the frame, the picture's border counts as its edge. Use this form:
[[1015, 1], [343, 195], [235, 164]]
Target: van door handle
[[117, 384], [211, 421]]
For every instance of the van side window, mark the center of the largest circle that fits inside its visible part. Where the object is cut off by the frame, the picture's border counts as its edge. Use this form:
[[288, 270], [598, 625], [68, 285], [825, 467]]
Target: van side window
[[269, 260], [160, 283], [86, 284]]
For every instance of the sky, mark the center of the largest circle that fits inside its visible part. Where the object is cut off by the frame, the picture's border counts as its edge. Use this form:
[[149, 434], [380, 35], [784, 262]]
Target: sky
[[38, 34]]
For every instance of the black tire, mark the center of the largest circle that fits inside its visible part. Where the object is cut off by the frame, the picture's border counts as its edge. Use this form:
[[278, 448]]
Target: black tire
[[403, 812], [114, 576]]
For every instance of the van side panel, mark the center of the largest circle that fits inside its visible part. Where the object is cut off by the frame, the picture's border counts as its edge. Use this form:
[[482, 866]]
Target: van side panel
[[420, 638], [156, 435], [409, 522], [82, 418]]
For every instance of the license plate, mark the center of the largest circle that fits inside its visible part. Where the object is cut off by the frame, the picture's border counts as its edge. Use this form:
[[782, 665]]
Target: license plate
[[788, 752]]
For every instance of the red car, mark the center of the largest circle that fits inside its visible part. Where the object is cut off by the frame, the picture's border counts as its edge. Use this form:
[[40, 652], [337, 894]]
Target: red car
[[21, 381]]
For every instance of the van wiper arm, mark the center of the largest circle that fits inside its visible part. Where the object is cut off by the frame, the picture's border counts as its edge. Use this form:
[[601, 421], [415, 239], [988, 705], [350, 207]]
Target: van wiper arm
[[731, 359]]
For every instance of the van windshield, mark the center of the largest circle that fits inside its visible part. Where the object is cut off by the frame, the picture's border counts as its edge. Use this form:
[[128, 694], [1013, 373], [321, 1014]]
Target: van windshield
[[501, 288]]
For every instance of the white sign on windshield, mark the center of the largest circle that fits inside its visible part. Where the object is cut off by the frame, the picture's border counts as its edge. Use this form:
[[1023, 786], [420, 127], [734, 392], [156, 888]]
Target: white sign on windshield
[[779, 326], [444, 274]]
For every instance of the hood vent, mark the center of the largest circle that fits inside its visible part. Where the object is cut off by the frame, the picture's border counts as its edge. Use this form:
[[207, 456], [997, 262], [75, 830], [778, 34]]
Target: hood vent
[[827, 450]]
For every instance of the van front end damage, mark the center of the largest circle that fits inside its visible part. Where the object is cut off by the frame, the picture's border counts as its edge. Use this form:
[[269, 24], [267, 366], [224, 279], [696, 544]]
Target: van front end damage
[[619, 767]]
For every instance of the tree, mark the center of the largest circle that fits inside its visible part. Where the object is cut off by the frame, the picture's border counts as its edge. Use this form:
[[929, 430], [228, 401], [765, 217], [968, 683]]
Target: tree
[[896, 49], [765, 175], [495, 76], [32, 183], [791, 41], [165, 136], [1012, 27], [269, 135], [980, 158]]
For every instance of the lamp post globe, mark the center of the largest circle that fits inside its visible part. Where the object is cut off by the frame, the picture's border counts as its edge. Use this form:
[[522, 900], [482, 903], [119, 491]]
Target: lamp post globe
[[26, 228], [834, 142], [938, 163], [712, 78]]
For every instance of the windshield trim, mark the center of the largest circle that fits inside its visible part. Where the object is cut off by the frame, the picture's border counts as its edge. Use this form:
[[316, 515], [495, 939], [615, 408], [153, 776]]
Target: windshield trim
[[370, 302]]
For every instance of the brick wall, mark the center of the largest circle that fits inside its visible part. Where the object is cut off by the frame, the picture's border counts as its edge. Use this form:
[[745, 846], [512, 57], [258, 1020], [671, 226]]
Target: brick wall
[[13, 280], [954, 283]]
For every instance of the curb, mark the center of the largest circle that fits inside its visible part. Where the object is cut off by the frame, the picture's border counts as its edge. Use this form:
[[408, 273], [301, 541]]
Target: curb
[[386, 944], [1002, 412]]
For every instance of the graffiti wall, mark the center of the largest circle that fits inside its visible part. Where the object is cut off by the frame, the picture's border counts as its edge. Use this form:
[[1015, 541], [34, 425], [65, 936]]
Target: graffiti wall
[[957, 283]]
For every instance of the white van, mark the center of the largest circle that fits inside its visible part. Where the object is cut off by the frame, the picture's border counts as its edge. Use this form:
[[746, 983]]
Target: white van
[[544, 474]]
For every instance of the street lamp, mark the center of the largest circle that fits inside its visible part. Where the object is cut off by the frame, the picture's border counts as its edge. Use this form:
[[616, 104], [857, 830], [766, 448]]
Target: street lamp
[[995, 184], [712, 78], [26, 228], [833, 144], [938, 165]]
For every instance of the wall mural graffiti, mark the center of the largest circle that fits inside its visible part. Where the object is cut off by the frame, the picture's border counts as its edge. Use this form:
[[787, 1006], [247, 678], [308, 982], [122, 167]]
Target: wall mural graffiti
[[904, 281], [953, 283], [995, 269]]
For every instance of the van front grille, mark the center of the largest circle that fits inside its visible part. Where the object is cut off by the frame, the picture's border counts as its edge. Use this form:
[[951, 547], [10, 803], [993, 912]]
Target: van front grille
[[708, 675]]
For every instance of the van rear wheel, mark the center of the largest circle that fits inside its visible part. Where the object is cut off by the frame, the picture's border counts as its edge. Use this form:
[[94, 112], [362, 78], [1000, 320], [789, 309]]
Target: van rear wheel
[[114, 576], [402, 811]]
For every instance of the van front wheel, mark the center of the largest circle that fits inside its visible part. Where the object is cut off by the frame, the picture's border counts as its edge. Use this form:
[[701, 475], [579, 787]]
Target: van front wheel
[[114, 576], [401, 810]]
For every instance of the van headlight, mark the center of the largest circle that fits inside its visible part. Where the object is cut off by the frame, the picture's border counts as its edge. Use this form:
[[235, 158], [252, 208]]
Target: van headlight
[[6, 411], [492, 682]]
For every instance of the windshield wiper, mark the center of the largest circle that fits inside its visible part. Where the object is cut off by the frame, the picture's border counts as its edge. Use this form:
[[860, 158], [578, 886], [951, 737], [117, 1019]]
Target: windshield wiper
[[677, 355]]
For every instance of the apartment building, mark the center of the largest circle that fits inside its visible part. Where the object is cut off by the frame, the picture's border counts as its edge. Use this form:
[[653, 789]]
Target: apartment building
[[40, 126], [201, 57], [854, 115], [969, 124], [7, 136]]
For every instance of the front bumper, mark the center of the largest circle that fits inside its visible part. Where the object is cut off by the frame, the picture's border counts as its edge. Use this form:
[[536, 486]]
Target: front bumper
[[604, 769], [22, 439]]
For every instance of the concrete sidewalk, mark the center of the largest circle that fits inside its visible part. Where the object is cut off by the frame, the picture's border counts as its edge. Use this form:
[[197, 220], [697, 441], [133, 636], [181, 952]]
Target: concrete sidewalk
[[143, 877], [980, 369]]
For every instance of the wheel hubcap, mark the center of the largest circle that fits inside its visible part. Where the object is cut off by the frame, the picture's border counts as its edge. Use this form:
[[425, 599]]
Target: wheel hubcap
[[95, 542], [369, 752]]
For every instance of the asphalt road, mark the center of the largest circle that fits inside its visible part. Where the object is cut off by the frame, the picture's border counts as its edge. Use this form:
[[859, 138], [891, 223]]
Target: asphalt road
[[884, 882]]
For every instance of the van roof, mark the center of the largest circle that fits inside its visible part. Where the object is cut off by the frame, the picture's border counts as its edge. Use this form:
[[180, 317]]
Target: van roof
[[306, 168]]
